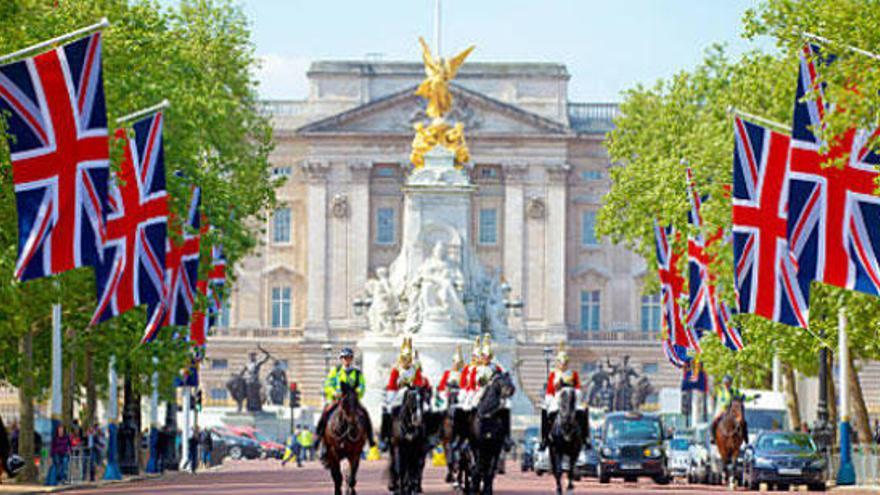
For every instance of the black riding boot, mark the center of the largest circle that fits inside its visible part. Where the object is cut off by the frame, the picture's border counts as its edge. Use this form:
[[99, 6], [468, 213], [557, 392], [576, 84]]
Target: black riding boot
[[385, 431], [504, 414], [319, 431], [712, 431], [581, 418], [545, 430]]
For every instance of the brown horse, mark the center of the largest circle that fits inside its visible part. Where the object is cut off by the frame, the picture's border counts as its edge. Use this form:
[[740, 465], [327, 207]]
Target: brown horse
[[344, 438], [451, 429], [730, 433]]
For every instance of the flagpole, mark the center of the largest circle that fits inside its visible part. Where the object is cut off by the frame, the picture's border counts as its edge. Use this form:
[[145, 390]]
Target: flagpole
[[757, 118], [848, 47], [846, 474], [53, 478], [54, 41], [152, 464], [112, 471], [146, 111]]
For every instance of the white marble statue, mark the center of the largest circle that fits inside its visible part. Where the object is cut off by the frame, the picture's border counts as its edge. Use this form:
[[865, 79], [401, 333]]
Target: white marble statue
[[434, 292], [383, 307]]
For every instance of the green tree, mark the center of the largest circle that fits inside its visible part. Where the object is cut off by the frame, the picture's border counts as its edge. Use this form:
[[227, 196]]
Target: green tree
[[199, 56]]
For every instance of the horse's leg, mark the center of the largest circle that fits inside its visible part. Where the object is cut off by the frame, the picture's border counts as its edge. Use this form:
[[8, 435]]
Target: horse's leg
[[556, 467], [572, 461], [336, 473], [353, 463]]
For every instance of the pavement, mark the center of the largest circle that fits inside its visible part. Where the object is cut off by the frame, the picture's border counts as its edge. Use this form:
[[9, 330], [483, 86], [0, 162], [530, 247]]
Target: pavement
[[268, 477]]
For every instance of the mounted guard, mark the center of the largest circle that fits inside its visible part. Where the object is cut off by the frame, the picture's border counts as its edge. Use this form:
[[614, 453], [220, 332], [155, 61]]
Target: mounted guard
[[561, 377], [404, 374], [481, 375]]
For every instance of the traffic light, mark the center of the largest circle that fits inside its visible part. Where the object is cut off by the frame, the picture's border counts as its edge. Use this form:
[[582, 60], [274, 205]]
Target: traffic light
[[199, 400], [294, 395]]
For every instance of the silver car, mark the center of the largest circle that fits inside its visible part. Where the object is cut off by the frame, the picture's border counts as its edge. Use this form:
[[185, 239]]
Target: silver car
[[542, 462], [678, 455]]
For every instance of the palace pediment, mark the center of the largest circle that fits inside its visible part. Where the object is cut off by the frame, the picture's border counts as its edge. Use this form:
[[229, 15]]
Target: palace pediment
[[398, 112]]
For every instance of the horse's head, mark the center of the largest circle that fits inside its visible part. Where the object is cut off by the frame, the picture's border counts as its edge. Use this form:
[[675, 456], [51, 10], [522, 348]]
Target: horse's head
[[567, 401], [504, 382], [411, 412], [500, 387], [349, 400], [737, 410]]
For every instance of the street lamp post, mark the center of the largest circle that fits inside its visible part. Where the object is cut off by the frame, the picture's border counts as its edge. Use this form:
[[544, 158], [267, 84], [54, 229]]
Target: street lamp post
[[822, 428], [548, 355]]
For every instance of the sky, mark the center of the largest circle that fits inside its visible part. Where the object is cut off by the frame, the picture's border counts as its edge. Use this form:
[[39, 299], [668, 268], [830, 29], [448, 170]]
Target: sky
[[607, 46]]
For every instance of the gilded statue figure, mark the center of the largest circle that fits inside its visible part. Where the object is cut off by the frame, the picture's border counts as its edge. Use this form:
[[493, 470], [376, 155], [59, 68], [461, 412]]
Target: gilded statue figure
[[439, 71]]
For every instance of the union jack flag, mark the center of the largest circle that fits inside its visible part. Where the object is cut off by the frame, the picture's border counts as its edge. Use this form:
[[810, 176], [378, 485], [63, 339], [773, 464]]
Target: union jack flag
[[677, 338], [60, 156], [212, 290], [707, 310], [834, 217], [766, 274], [132, 272], [181, 269]]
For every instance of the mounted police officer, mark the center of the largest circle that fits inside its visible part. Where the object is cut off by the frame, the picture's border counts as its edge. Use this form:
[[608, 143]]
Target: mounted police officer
[[724, 395], [344, 372]]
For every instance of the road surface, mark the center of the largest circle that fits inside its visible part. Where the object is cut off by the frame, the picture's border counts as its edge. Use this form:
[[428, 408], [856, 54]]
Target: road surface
[[268, 477]]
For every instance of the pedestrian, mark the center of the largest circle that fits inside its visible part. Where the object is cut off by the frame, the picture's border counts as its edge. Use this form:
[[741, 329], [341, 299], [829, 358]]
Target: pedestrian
[[206, 444], [13, 437], [307, 443], [161, 449], [293, 449], [60, 452], [877, 431], [194, 450], [88, 446]]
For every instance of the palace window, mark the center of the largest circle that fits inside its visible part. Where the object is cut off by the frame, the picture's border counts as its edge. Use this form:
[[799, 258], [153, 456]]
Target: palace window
[[219, 394], [590, 310], [385, 171], [588, 228], [385, 226], [651, 313], [488, 226], [591, 175], [282, 172], [223, 318], [219, 364], [281, 226], [281, 307]]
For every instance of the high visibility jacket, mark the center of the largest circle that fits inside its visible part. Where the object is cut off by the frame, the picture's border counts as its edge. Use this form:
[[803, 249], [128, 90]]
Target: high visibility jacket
[[338, 376], [305, 438]]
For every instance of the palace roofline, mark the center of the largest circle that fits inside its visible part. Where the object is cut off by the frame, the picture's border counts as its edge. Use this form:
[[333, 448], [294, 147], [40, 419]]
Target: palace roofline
[[468, 70]]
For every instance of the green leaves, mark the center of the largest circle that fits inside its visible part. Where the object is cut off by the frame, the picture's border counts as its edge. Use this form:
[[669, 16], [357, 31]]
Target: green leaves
[[685, 117], [200, 57]]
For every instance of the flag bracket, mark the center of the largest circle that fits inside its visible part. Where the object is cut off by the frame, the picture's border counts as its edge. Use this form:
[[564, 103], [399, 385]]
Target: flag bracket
[[757, 118], [145, 111], [851, 48]]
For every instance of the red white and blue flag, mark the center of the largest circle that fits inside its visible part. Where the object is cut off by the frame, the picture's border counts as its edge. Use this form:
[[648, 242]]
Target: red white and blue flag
[[707, 310], [182, 268], [133, 270], [57, 123], [834, 217], [677, 338], [212, 290], [765, 272]]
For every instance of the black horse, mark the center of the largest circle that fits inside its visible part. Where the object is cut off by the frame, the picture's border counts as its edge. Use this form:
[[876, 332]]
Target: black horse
[[409, 441], [487, 432], [566, 437]]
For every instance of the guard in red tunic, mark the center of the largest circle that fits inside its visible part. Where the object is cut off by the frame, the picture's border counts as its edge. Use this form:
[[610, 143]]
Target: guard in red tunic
[[404, 374], [465, 381], [481, 376], [561, 377], [449, 381]]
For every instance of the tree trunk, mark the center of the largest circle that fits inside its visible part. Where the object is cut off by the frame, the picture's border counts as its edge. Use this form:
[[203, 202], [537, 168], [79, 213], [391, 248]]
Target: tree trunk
[[91, 388], [68, 385], [857, 405], [792, 401], [26, 447]]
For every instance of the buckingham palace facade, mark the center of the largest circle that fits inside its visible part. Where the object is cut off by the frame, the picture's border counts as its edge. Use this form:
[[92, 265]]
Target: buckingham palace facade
[[541, 170]]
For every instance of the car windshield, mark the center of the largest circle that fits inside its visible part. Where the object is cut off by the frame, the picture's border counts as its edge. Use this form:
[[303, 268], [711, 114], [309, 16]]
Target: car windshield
[[261, 437], [762, 420], [786, 442], [678, 444], [632, 428]]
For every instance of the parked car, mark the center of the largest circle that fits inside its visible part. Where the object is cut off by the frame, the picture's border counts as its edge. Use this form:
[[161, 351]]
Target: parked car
[[679, 456], [531, 440], [240, 447], [782, 459], [271, 448], [632, 446]]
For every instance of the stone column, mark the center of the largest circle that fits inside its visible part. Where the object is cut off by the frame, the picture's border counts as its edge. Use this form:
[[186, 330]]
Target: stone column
[[316, 250], [359, 232], [515, 233], [555, 245]]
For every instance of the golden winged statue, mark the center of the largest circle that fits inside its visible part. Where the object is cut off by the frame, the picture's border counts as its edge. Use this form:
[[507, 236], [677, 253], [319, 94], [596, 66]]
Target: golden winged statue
[[439, 71]]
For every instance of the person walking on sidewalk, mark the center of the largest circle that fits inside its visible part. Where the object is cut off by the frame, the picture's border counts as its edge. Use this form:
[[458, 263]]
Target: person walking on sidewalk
[[60, 452], [194, 450], [206, 443]]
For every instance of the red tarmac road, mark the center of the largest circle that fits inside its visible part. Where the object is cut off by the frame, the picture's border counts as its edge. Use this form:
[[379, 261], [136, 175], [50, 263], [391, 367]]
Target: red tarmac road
[[269, 478]]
